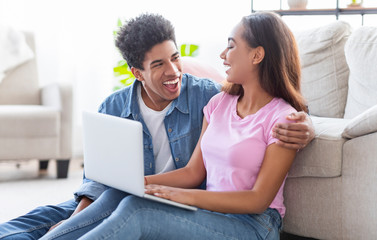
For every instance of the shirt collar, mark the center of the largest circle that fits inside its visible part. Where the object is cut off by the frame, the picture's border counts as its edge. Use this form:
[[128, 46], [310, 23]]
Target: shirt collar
[[132, 106], [181, 103]]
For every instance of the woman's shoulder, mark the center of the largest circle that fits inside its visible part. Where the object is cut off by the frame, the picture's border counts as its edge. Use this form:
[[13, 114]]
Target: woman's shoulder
[[280, 109], [284, 106], [219, 102], [221, 97]]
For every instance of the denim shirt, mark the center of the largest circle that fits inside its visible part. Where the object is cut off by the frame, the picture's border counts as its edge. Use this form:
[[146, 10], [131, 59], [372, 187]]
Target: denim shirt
[[183, 124]]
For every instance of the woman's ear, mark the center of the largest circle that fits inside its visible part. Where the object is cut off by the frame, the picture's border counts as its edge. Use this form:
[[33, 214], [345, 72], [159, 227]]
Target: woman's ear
[[258, 55], [137, 73]]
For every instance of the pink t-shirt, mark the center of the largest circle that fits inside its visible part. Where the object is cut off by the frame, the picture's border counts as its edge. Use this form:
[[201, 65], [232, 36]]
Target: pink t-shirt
[[233, 148]]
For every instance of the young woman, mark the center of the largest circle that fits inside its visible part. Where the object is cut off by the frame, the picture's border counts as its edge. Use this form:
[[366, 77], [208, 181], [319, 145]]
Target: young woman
[[245, 170]]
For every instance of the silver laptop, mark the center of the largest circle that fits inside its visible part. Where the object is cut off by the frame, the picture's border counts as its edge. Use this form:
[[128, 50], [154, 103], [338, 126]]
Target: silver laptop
[[114, 156]]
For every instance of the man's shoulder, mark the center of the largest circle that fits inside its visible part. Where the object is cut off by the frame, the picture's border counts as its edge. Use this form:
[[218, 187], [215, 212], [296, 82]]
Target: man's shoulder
[[202, 83], [118, 96], [203, 87], [198, 91], [116, 102]]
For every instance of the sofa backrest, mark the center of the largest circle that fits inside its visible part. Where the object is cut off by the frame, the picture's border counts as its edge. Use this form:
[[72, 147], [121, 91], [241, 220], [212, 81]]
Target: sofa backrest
[[20, 85], [324, 69], [201, 69], [361, 55]]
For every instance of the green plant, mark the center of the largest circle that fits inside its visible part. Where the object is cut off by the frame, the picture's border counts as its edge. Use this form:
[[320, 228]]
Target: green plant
[[357, 2], [122, 72], [190, 50]]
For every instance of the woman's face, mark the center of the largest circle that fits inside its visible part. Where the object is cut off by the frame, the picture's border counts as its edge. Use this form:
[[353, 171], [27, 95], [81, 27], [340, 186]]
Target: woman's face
[[238, 57]]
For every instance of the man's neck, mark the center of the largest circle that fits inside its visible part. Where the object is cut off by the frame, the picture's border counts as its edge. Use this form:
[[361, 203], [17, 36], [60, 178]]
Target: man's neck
[[152, 104]]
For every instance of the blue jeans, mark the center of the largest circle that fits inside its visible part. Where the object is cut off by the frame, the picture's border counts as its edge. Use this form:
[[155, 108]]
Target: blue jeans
[[116, 215], [89, 218], [36, 223]]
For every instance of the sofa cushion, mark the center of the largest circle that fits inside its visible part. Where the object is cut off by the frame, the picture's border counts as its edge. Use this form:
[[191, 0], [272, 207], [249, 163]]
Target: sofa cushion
[[324, 68], [323, 156], [20, 85], [17, 121], [201, 69], [361, 55], [362, 124], [14, 50]]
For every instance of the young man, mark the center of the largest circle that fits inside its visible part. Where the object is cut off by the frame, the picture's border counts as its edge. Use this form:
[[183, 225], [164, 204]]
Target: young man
[[167, 102]]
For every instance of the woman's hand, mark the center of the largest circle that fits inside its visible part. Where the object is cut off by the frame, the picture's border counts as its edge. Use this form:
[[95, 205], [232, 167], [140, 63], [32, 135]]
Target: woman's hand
[[171, 193]]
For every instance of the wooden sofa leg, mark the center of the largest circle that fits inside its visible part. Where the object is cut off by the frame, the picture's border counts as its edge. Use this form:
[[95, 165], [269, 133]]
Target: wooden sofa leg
[[62, 168], [43, 164]]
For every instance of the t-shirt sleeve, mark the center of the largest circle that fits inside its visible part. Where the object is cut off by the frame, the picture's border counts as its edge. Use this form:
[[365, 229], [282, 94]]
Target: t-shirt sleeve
[[281, 117], [211, 106]]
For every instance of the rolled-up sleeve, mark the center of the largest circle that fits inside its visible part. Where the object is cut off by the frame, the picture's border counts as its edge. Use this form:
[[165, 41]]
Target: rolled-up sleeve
[[90, 189]]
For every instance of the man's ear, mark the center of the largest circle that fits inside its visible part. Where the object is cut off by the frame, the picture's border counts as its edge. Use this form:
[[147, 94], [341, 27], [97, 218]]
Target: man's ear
[[137, 73], [257, 55]]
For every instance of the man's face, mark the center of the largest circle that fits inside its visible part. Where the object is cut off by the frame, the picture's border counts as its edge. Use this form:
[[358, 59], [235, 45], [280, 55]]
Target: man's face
[[162, 75]]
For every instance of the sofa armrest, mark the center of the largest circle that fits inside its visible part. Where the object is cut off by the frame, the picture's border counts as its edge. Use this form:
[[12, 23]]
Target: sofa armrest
[[359, 187], [66, 121], [323, 156], [362, 124], [60, 97], [50, 96]]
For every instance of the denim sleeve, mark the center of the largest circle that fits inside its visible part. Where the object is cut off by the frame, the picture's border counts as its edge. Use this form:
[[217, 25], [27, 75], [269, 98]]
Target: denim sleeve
[[90, 189], [212, 90]]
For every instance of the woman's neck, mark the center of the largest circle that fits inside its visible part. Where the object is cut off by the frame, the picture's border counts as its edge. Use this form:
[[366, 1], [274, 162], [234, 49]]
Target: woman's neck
[[253, 99]]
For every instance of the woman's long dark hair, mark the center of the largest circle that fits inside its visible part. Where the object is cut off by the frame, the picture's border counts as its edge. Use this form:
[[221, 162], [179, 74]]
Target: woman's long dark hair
[[279, 71]]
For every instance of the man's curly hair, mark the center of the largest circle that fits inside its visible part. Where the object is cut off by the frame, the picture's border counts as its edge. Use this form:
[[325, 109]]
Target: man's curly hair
[[141, 34]]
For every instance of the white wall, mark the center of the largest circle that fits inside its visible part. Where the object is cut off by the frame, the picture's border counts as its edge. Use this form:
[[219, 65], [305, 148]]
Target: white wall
[[75, 43]]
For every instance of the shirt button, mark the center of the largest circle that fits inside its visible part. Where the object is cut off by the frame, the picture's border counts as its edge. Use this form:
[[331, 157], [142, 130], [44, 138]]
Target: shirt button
[[170, 130], [150, 165], [177, 159]]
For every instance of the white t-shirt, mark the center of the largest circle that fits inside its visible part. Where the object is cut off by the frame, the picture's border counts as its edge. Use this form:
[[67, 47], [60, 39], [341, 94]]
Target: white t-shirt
[[155, 124]]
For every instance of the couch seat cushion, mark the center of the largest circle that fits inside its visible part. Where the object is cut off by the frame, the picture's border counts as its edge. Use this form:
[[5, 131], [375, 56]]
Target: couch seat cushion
[[20, 121], [323, 156]]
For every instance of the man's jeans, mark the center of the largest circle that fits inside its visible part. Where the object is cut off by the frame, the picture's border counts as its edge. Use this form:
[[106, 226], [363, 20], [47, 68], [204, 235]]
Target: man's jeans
[[116, 215], [36, 223], [90, 217]]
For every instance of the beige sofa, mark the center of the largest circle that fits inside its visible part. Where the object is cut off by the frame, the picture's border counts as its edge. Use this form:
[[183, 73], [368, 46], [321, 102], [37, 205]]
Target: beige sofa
[[35, 122], [331, 192]]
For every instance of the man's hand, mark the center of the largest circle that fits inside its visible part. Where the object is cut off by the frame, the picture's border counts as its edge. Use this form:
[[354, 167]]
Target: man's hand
[[294, 135], [54, 226]]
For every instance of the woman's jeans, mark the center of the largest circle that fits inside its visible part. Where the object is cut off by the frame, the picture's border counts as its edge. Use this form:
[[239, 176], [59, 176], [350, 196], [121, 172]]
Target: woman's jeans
[[116, 215]]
